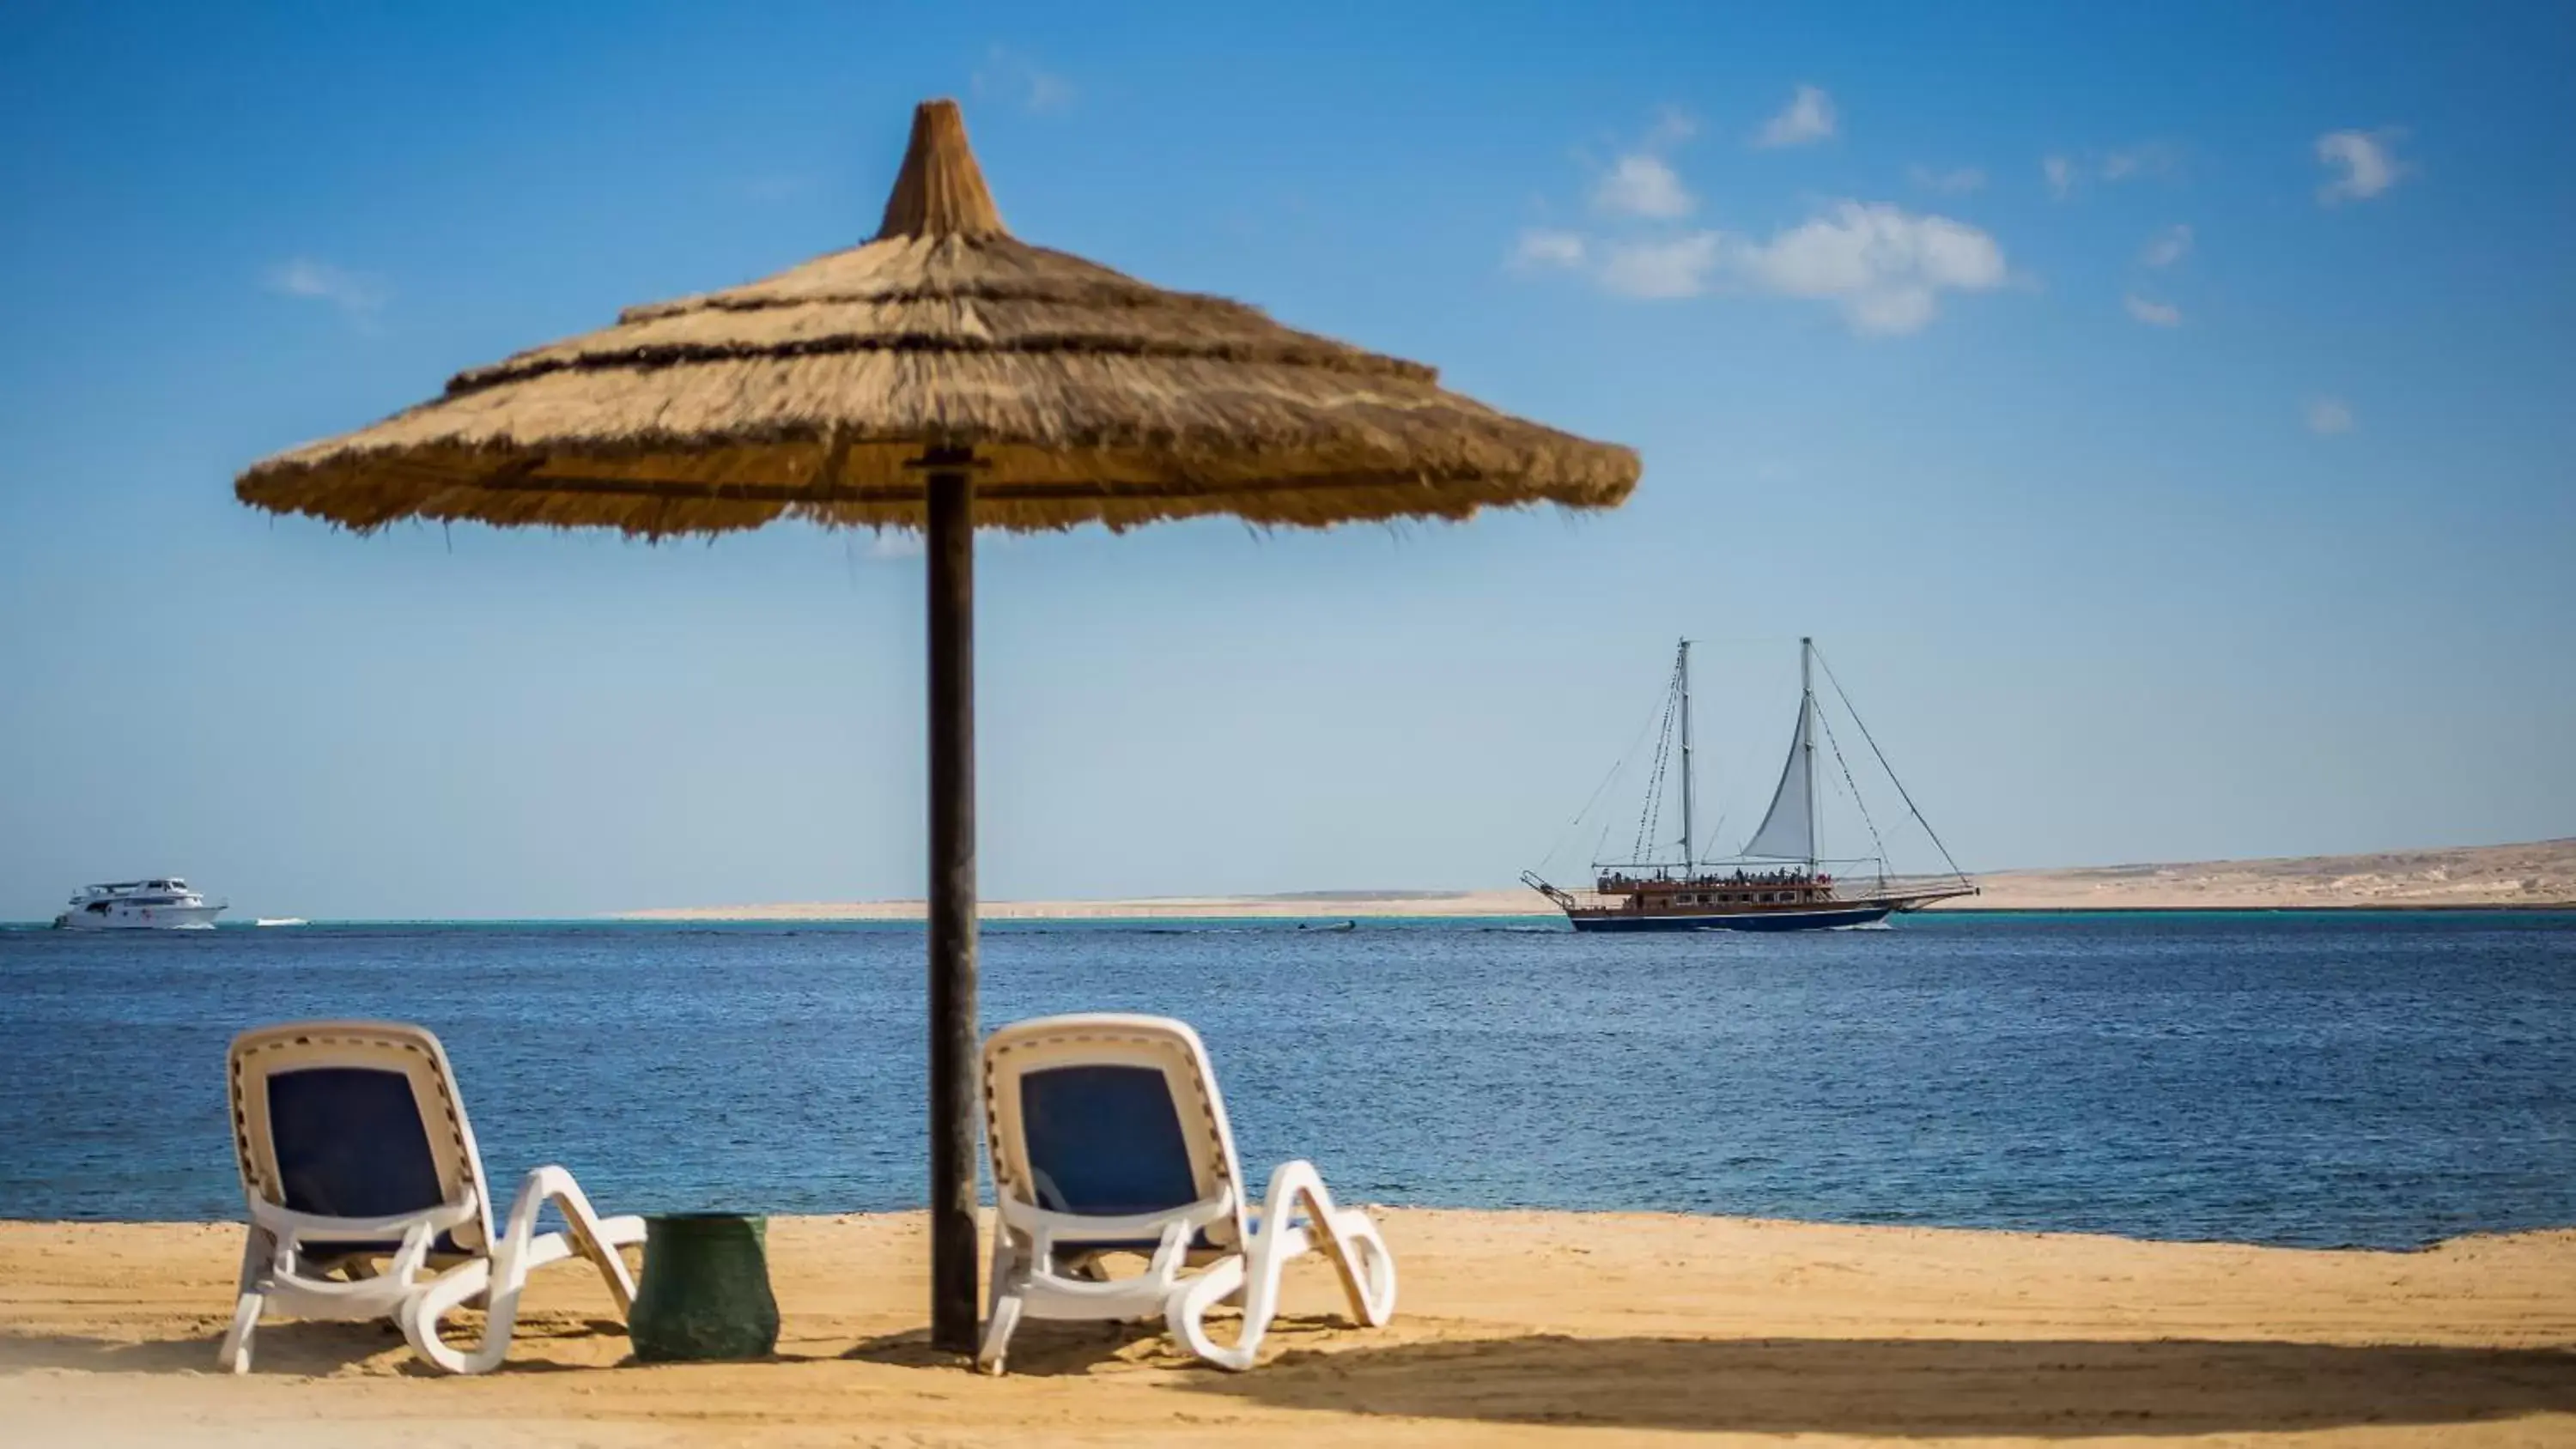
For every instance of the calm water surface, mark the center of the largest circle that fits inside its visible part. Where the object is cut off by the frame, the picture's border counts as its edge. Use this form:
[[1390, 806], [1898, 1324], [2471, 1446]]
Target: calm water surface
[[2383, 1079]]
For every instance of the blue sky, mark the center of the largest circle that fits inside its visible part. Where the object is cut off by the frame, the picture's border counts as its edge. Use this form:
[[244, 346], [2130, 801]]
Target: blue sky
[[2162, 415]]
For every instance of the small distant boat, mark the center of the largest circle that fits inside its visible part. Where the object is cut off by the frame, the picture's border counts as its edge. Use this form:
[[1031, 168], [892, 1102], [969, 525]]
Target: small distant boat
[[1778, 882], [164, 903], [281, 921]]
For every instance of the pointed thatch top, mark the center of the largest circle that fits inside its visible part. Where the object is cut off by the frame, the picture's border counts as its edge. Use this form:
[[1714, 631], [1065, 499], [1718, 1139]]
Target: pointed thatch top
[[940, 191], [1085, 395]]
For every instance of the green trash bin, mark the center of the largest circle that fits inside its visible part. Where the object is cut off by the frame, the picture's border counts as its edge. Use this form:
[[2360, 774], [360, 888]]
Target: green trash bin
[[705, 1293]]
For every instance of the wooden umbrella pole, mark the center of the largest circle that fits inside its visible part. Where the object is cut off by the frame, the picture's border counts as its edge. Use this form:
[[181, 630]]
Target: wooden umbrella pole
[[953, 1096]]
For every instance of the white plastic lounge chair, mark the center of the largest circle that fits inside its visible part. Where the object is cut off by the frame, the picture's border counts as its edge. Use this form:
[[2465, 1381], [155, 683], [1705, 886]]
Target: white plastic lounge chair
[[367, 1197], [1107, 1134]]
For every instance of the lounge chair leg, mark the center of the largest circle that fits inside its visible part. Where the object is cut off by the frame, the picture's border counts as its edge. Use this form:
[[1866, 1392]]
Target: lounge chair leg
[[420, 1315], [1367, 1269], [1226, 1281], [258, 1248], [553, 1183], [998, 1328], [234, 1356], [1251, 1278], [1350, 1240], [495, 1281], [1001, 1302]]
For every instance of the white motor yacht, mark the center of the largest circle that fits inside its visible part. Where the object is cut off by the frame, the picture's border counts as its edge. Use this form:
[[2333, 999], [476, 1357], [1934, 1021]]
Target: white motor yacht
[[161, 904]]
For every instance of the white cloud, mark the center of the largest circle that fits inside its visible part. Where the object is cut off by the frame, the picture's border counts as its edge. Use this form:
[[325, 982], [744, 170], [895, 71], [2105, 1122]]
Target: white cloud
[[359, 298], [1542, 247], [1947, 183], [1641, 182], [1808, 119], [1884, 266], [1673, 125], [1008, 75], [2167, 247], [895, 543], [2329, 415], [2367, 161], [2060, 172], [1642, 185], [2152, 158], [2148, 158], [2154, 314], [1679, 267]]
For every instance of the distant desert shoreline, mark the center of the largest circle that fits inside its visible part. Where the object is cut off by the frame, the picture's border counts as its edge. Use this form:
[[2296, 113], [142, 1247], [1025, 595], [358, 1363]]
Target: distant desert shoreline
[[2541, 874]]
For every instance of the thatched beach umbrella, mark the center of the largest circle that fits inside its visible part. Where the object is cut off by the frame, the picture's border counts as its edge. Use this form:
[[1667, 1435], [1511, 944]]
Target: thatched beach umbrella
[[944, 376]]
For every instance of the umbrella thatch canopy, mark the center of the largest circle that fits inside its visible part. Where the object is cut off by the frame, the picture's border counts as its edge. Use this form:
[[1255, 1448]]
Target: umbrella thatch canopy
[[943, 376], [1087, 395]]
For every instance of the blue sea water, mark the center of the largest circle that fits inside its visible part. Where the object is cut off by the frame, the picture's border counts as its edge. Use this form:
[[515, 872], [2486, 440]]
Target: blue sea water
[[2298, 1079]]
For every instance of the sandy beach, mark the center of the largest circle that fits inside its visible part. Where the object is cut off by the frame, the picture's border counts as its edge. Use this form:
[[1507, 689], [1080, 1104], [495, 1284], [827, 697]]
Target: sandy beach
[[1515, 1328], [2541, 873]]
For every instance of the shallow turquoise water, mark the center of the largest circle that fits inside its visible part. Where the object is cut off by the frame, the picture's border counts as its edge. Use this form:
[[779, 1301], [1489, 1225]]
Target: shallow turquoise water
[[2378, 1079]]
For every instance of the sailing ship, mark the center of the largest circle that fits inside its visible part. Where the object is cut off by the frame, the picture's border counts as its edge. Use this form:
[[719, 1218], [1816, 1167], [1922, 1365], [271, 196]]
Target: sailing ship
[[1778, 881]]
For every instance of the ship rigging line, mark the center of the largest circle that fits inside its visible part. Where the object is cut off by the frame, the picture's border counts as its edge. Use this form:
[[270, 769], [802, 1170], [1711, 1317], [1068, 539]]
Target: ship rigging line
[[1890, 769], [1854, 786], [1548, 861], [1653, 813], [1618, 766]]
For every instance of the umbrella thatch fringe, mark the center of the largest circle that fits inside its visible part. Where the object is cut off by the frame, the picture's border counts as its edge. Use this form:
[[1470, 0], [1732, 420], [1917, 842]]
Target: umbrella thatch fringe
[[368, 493], [1086, 395]]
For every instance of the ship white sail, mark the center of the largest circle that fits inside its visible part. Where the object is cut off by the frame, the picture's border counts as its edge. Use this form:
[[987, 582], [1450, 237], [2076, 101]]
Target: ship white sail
[[1788, 832]]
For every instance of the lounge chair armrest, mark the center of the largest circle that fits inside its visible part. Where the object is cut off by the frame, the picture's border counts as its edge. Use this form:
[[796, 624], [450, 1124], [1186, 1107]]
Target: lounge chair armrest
[[1359, 1255], [1077, 1228], [590, 1235], [1294, 1185], [519, 1250], [320, 1228]]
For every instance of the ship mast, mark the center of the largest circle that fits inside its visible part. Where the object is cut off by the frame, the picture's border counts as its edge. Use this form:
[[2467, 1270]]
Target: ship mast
[[1682, 671], [1806, 738]]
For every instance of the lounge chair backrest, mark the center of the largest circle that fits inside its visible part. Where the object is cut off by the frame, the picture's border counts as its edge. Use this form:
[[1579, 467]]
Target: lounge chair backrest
[[1109, 1116], [354, 1119]]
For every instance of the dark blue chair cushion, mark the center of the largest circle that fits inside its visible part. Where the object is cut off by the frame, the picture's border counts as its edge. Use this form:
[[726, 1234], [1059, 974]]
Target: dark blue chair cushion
[[1108, 1139], [350, 1144]]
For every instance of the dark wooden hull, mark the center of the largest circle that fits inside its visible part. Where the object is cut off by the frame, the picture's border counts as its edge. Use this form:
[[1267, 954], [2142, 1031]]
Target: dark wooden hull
[[1824, 917]]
